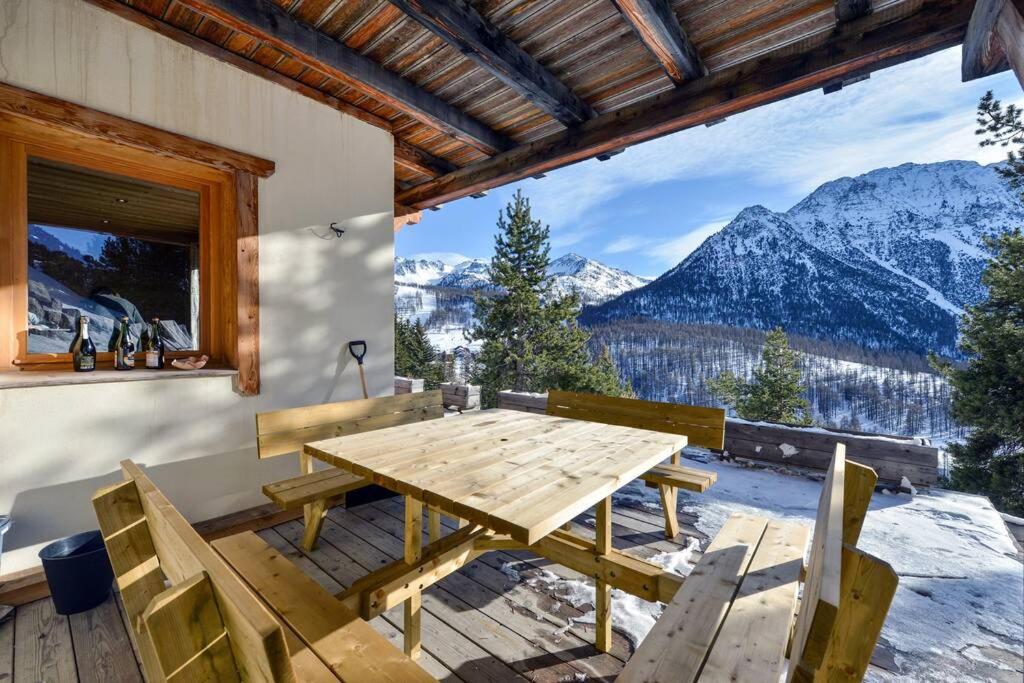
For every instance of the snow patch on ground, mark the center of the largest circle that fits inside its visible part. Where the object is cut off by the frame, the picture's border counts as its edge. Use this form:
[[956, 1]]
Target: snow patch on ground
[[958, 614]]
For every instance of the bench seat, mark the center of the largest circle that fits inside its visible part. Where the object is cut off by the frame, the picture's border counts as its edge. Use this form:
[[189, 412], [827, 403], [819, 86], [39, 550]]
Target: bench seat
[[349, 646], [307, 488], [731, 619], [681, 477]]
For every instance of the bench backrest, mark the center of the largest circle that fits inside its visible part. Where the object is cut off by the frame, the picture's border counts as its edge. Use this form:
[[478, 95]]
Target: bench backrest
[[207, 625], [704, 427], [285, 431], [847, 592]]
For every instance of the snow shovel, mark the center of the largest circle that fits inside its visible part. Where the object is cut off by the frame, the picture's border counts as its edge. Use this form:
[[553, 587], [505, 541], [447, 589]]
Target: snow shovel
[[358, 351]]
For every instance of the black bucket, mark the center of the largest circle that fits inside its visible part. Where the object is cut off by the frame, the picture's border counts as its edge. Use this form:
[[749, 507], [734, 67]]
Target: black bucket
[[77, 571]]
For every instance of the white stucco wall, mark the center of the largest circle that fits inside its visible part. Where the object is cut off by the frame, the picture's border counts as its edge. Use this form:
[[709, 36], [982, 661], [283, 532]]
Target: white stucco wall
[[59, 444]]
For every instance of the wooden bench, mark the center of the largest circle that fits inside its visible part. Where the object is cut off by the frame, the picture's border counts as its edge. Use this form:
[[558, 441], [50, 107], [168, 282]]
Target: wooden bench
[[704, 427], [234, 610], [285, 431], [732, 618]]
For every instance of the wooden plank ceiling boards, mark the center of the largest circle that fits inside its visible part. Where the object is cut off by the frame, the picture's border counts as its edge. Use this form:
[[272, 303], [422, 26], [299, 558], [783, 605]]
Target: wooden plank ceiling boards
[[478, 93]]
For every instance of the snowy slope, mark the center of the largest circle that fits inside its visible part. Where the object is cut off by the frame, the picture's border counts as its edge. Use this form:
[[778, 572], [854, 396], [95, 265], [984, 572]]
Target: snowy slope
[[887, 260]]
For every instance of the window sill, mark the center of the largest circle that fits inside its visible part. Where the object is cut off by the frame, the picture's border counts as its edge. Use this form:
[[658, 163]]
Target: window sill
[[43, 378]]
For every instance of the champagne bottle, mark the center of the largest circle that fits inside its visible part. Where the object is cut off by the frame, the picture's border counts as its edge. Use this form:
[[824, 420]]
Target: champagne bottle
[[153, 345], [83, 351], [124, 347]]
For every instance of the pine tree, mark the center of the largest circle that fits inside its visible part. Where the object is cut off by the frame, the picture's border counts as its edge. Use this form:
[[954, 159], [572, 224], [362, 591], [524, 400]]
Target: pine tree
[[414, 355], [531, 340], [775, 393], [988, 392]]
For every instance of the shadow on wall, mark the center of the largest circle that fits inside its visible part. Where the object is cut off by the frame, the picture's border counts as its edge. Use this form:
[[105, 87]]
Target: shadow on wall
[[195, 486], [316, 295]]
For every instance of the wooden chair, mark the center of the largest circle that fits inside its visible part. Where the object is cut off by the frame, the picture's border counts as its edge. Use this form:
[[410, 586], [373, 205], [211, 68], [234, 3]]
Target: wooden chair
[[234, 611], [732, 618], [703, 427], [285, 431]]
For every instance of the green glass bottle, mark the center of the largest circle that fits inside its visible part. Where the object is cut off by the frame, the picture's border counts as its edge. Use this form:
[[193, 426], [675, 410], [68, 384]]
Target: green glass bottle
[[153, 345], [124, 347]]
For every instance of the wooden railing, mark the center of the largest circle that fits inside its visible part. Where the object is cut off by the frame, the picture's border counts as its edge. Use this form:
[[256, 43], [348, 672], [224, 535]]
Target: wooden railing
[[455, 396], [892, 457]]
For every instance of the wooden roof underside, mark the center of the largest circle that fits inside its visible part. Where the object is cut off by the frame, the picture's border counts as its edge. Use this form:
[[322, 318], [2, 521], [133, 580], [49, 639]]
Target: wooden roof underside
[[479, 93]]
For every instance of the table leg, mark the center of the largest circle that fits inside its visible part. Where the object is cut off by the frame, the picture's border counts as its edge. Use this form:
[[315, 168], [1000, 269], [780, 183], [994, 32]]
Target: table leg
[[433, 524], [603, 603], [413, 553]]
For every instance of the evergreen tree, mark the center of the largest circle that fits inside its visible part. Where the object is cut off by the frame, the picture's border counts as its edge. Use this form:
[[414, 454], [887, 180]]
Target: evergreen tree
[[414, 356], [531, 340], [988, 392], [775, 393]]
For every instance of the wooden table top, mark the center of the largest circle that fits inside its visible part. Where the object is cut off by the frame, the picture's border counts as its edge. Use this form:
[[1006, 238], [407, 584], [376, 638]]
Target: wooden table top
[[514, 472]]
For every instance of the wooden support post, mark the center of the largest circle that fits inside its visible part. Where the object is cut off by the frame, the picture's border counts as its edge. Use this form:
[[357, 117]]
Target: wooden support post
[[309, 520], [413, 554], [433, 524], [669, 496], [603, 604]]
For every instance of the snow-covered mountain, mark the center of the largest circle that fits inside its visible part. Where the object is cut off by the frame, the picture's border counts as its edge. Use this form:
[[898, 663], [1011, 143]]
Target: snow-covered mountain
[[440, 295], [887, 260], [593, 281], [419, 271]]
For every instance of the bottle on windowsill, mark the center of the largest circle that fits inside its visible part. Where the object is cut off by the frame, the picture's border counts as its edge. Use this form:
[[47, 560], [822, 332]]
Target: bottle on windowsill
[[83, 350], [153, 345], [124, 347]]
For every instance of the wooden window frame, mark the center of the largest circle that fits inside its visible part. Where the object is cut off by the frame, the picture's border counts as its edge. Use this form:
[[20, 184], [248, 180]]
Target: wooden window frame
[[226, 181]]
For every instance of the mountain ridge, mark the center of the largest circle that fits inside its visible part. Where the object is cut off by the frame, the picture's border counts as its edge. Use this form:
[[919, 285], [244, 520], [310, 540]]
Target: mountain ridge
[[888, 259]]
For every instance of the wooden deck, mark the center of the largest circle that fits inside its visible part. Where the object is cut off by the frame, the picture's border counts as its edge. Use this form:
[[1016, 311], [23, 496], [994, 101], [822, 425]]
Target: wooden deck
[[478, 624]]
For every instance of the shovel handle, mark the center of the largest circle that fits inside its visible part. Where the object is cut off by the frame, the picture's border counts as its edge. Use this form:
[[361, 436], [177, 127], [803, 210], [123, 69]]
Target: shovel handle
[[358, 350]]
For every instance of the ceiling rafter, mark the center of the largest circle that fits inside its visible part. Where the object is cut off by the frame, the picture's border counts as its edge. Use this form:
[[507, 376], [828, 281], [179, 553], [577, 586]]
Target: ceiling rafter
[[459, 24], [266, 21], [659, 30], [848, 10], [876, 41]]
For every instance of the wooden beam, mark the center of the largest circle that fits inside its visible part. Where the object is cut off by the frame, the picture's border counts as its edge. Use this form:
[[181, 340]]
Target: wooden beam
[[848, 10], [405, 216], [247, 259], [421, 161], [994, 40], [266, 21], [616, 569], [881, 39], [97, 124], [391, 585], [658, 28], [459, 24], [236, 60]]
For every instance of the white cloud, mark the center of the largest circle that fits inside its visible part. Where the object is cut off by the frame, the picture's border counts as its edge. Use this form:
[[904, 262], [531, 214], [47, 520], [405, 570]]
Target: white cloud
[[918, 112], [627, 243], [670, 252]]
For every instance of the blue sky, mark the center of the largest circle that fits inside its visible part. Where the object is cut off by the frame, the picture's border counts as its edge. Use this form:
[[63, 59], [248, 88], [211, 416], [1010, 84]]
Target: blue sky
[[647, 208]]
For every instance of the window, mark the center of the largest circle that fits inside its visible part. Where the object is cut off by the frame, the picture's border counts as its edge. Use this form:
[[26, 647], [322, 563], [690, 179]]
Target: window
[[105, 217], [107, 246]]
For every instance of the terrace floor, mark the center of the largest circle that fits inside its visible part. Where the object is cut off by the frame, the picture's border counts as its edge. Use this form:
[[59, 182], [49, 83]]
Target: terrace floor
[[510, 616]]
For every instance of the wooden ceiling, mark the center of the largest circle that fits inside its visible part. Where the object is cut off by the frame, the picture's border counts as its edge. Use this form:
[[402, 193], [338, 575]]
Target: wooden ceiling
[[479, 93], [68, 196]]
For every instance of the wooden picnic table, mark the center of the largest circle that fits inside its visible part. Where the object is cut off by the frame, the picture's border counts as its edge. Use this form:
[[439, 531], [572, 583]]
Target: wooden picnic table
[[516, 478]]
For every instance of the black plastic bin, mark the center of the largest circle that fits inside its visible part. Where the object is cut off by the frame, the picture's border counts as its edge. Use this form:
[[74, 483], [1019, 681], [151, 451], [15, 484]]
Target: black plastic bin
[[77, 571]]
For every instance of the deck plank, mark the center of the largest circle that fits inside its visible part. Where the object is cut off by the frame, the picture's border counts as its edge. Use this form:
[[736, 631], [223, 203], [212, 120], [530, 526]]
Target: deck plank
[[7, 650], [43, 649], [536, 603], [565, 649], [493, 635], [100, 643]]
